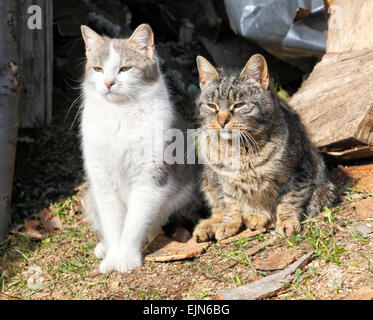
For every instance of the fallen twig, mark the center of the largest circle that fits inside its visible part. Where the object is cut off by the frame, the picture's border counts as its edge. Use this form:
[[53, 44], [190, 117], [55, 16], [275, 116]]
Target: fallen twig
[[267, 286]]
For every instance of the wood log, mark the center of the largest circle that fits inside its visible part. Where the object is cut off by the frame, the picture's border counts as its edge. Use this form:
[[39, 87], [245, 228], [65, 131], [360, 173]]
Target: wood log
[[9, 107], [350, 25], [336, 101], [36, 59]]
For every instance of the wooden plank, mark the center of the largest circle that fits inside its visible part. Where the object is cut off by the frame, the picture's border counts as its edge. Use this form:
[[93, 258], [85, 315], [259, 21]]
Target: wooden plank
[[36, 54], [267, 286], [336, 101]]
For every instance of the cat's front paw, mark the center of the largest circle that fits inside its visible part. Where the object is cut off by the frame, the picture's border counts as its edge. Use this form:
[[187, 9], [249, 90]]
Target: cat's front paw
[[288, 227], [226, 230], [100, 250], [108, 265], [128, 263], [205, 231], [256, 221]]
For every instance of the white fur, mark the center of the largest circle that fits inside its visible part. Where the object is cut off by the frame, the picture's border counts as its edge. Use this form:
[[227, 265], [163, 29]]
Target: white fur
[[130, 206]]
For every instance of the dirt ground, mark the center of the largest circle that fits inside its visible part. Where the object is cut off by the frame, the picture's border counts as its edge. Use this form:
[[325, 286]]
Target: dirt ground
[[62, 266], [49, 253]]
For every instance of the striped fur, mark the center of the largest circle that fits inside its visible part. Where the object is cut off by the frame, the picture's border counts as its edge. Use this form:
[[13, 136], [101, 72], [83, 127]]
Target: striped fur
[[281, 178]]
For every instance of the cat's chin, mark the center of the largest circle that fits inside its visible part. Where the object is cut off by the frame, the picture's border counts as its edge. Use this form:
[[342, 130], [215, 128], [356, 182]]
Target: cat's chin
[[228, 135], [113, 97], [225, 135]]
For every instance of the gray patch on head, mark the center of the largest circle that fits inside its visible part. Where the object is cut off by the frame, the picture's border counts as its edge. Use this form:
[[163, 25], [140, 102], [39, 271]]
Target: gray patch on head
[[145, 68]]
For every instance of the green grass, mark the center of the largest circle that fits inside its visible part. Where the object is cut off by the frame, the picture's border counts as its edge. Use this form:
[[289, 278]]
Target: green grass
[[352, 192], [19, 252], [202, 295], [148, 295], [359, 237], [319, 232], [62, 208], [208, 270], [281, 93], [300, 284]]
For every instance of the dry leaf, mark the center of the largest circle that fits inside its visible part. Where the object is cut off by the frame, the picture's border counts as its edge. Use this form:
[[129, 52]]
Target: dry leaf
[[52, 225]]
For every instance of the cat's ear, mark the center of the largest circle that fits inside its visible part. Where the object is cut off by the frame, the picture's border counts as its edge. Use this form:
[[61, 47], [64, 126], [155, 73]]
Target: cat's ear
[[91, 38], [143, 38], [256, 68], [206, 70]]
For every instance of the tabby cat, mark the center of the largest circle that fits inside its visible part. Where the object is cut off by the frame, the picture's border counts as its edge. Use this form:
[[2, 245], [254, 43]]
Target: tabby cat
[[281, 177]]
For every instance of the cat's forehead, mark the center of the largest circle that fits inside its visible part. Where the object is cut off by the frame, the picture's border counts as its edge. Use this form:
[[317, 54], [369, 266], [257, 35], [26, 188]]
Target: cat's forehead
[[229, 88], [111, 47]]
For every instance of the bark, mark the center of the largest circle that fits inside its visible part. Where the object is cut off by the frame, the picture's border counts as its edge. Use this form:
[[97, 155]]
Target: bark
[[9, 107], [268, 286]]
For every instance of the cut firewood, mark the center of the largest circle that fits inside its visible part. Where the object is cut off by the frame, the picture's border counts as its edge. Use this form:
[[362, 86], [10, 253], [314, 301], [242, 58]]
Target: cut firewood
[[268, 286], [336, 101], [350, 25]]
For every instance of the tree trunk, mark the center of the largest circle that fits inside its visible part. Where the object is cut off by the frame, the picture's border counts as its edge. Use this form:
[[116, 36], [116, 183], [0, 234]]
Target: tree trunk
[[9, 107]]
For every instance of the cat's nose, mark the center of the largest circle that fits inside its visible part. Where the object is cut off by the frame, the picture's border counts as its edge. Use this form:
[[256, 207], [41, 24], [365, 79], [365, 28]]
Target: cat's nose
[[223, 118], [223, 122], [109, 84]]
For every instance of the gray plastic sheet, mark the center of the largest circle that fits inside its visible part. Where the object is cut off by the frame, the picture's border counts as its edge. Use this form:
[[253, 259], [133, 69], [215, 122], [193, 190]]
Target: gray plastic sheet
[[285, 28]]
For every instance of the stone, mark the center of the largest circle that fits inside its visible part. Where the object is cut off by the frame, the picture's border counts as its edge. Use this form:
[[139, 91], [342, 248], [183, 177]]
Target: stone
[[362, 228]]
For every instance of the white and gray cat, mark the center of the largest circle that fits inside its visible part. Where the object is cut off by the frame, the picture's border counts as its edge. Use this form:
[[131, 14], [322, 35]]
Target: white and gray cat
[[126, 105]]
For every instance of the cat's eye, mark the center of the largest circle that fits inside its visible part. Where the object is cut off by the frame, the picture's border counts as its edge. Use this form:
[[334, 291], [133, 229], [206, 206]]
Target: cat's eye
[[98, 69], [212, 106], [238, 105], [124, 69]]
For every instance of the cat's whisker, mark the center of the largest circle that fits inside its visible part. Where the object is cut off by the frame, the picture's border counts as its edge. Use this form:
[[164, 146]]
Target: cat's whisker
[[76, 116], [189, 151], [253, 141], [242, 141], [77, 100], [248, 144]]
